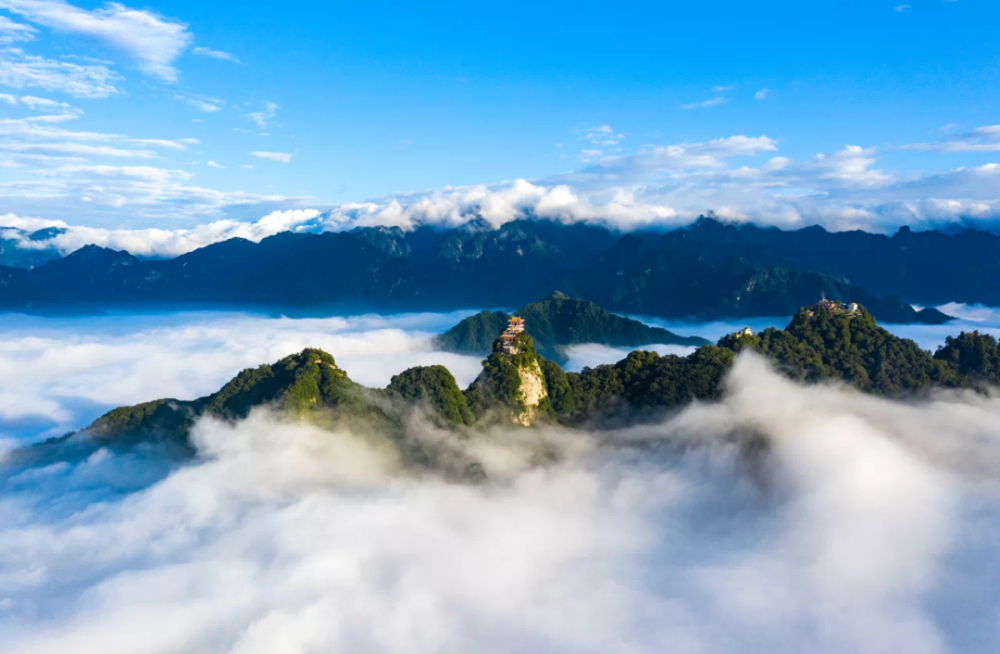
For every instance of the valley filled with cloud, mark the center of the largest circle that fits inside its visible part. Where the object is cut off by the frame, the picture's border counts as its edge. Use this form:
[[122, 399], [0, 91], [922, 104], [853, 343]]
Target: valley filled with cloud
[[782, 519], [742, 498]]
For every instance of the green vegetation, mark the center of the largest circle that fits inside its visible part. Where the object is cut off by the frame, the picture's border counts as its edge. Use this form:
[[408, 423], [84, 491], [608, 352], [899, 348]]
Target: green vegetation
[[819, 344], [974, 357], [825, 344], [475, 334], [645, 381], [306, 386], [435, 388], [555, 323], [162, 421], [499, 385]]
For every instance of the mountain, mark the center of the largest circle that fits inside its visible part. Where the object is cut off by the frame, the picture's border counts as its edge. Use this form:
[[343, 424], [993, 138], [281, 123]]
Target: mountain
[[474, 335], [434, 388], [14, 254], [301, 384], [556, 322], [710, 270], [368, 268], [821, 343], [513, 388], [922, 267], [679, 277]]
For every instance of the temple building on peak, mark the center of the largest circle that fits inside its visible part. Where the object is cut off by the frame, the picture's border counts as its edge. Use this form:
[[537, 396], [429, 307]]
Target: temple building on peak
[[514, 327], [824, 304]]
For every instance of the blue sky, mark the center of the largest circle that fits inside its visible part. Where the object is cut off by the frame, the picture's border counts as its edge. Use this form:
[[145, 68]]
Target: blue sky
[[851, 114]]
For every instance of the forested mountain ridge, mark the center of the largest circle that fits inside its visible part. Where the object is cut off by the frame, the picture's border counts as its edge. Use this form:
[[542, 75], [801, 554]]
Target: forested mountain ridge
[[709, 270], [556, 322], [820, 344]]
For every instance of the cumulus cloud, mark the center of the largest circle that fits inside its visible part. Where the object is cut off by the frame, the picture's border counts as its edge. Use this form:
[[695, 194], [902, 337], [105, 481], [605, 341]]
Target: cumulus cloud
[[160, 242], [152, 40], [860, 527], [654, 186]]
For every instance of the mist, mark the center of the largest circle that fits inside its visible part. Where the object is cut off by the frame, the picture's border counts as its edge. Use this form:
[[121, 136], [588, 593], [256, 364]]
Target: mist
[[783, 518], [59, 374]]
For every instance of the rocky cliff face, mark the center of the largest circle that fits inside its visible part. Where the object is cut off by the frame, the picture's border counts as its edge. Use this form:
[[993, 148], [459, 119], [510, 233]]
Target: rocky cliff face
[[533, 392]]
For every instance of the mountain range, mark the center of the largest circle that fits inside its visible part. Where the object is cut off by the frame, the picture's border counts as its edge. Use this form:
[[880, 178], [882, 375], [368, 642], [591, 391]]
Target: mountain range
[[709, 270], [524, 388]]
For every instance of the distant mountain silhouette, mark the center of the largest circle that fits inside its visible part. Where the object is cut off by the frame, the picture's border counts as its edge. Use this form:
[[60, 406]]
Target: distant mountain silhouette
[[709, 270]]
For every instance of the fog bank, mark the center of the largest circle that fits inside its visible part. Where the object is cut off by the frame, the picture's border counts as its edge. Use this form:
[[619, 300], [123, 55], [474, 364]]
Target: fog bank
[[782, 519]]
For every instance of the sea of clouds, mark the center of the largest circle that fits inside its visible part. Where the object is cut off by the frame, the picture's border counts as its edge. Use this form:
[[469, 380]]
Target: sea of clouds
[[864, 525], [61, 373], [783, 518]]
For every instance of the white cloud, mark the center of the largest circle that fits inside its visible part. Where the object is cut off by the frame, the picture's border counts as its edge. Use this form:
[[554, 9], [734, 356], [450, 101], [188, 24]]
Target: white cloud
[[863, 526], [981, 139], [19, 70], [12, 32], [168, 144], [146, 192], [712, 102], [761, 94], [208, 105], [723, 89], [74, 372], [599, 135], [131, 183], [283, 157], [215, 54], [266, 114], [45, 103], [591, 355], [76, 149], [153, 41], [8, 98], [902, 8], [212, 164]]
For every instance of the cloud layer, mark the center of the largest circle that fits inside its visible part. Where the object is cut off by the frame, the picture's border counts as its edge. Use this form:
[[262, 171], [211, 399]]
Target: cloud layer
[[152, 41], [60, 374], [865, 526], [659, 187]]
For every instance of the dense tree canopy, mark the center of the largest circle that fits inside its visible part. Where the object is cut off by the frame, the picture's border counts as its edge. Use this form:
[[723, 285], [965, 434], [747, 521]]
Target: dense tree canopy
[[974, 357], [435, 388]]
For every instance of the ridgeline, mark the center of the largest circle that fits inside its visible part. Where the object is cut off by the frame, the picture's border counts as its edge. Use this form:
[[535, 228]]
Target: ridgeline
[[518, 386], [707, 271]]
